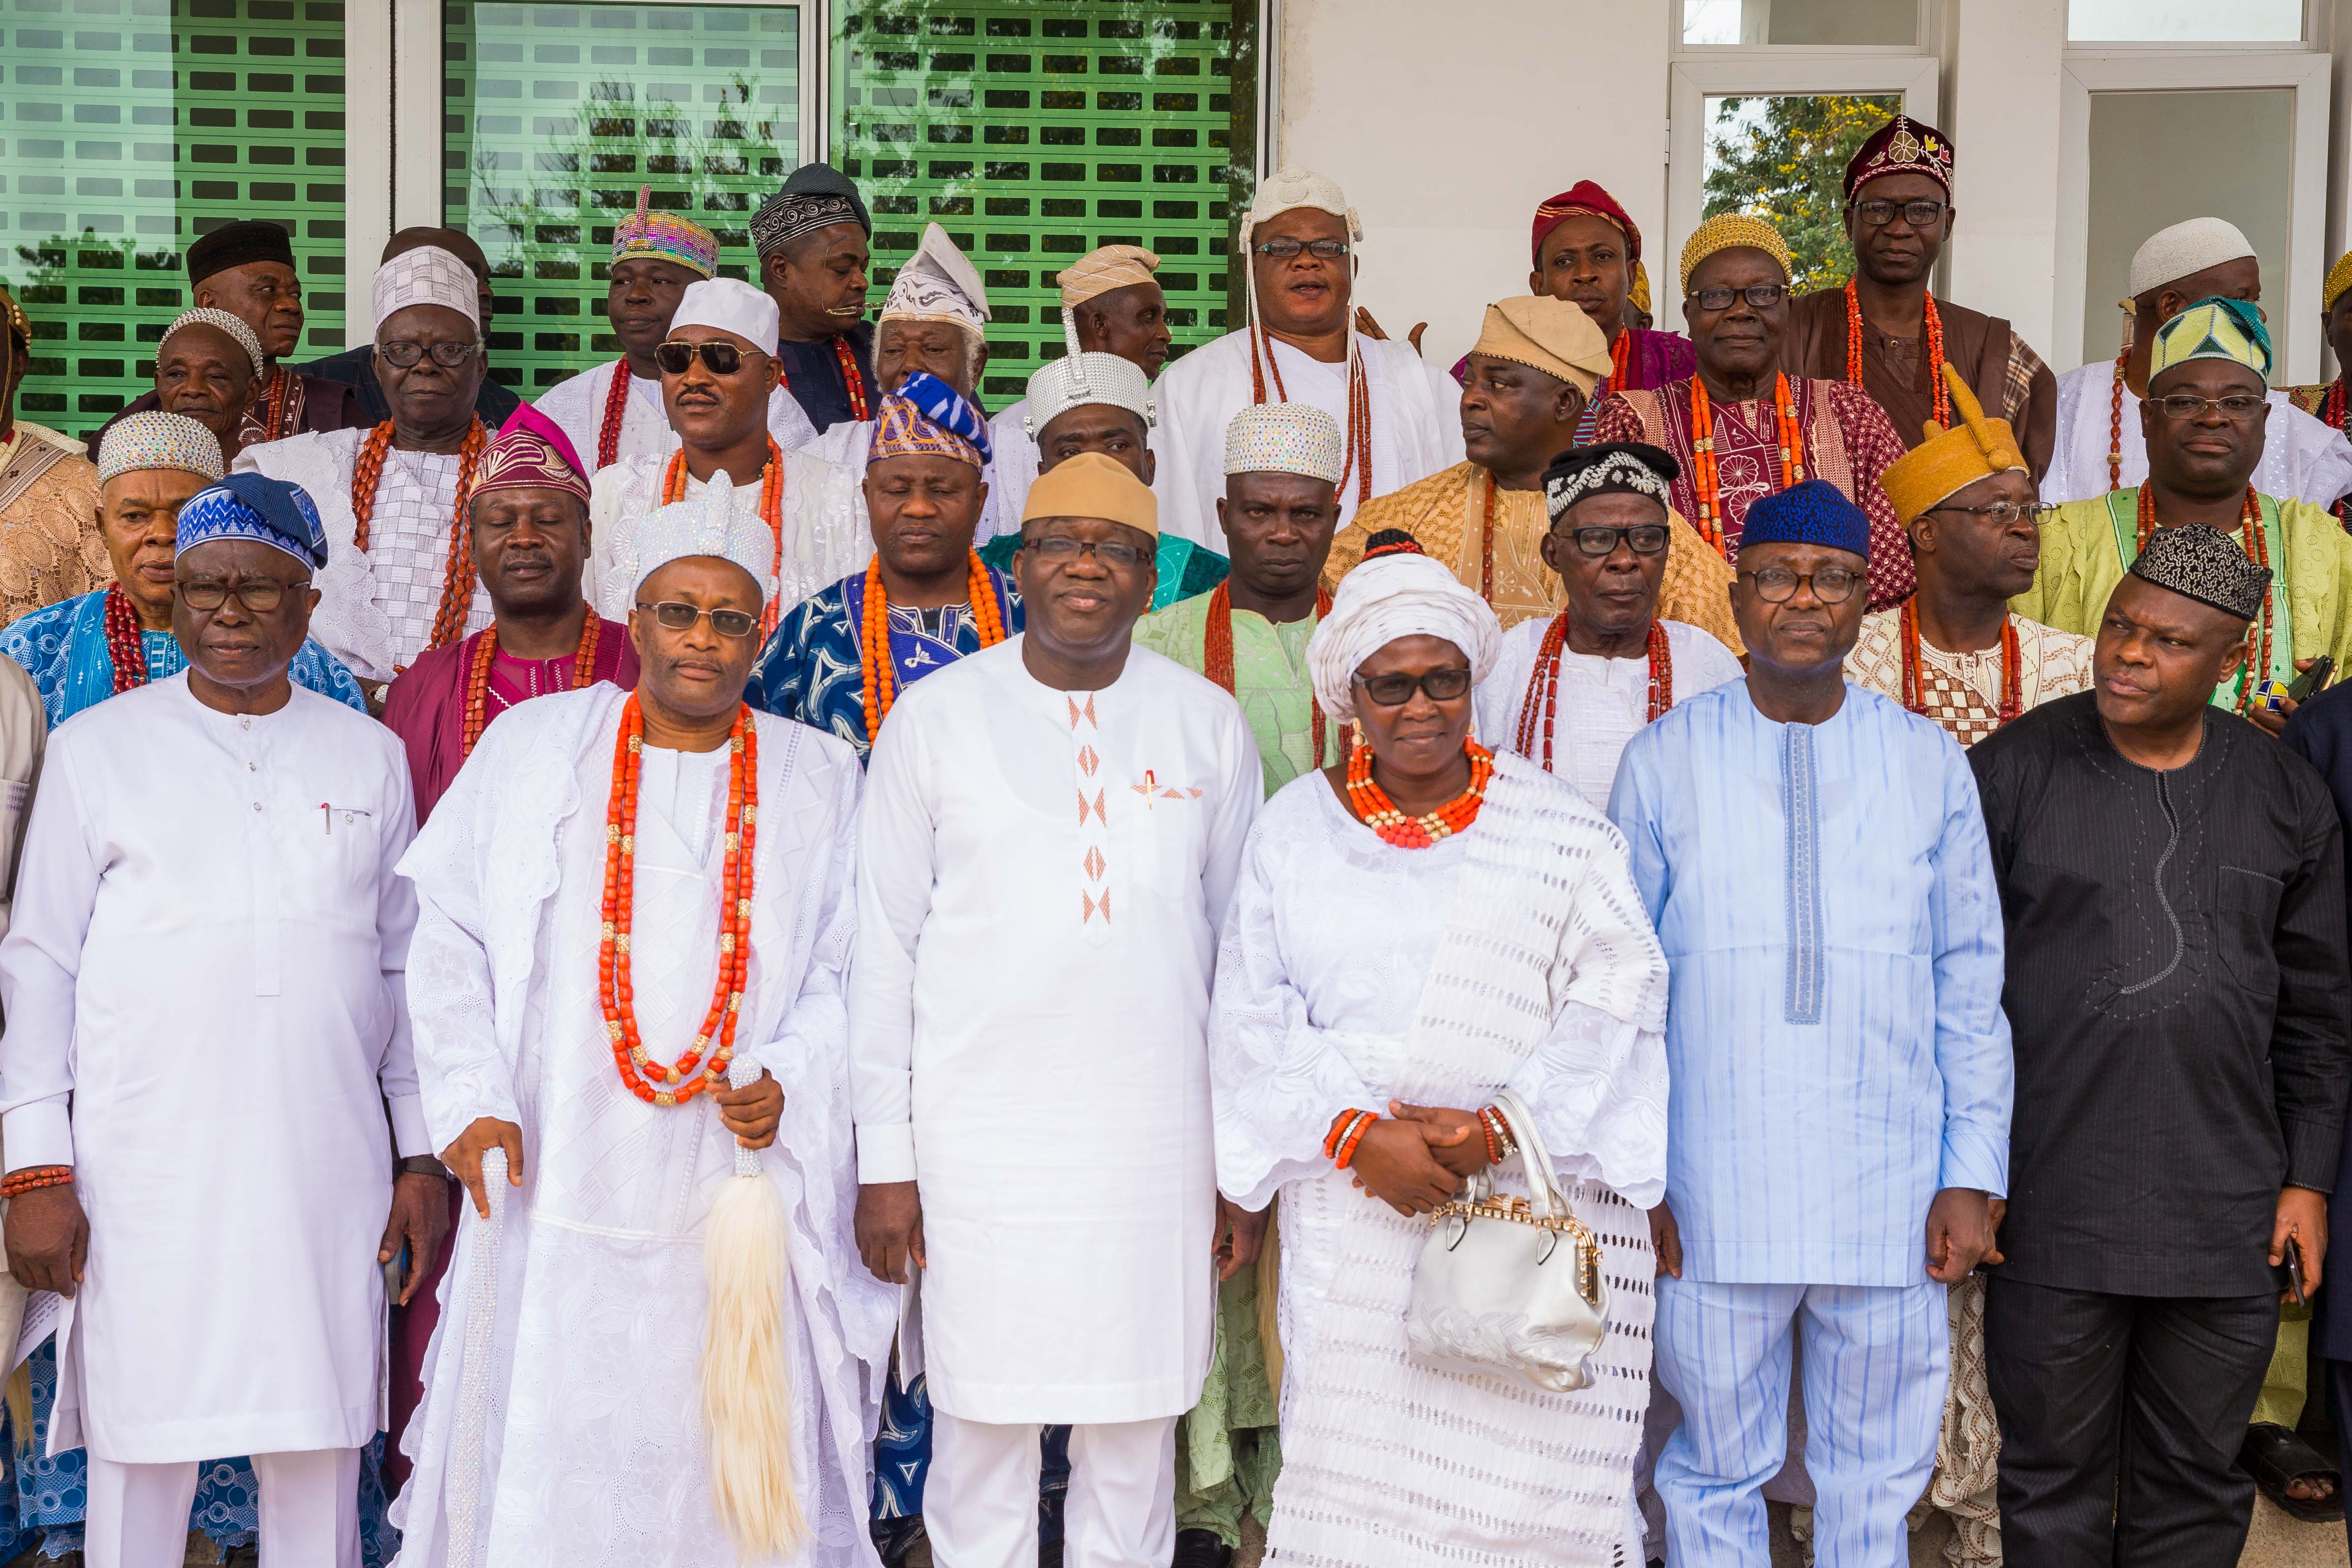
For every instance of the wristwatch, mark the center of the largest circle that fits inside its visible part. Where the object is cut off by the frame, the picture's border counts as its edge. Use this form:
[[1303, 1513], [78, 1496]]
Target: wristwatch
[[422, 1165]]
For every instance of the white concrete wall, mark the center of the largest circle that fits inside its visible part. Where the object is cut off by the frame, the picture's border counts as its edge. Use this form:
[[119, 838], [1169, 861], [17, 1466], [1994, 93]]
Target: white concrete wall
[[2003, 256], [1446, 124]]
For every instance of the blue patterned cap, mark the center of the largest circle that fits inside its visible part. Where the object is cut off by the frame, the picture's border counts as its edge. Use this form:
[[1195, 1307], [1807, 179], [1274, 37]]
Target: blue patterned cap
[[1814, 513], [249, 506], [949, 409]]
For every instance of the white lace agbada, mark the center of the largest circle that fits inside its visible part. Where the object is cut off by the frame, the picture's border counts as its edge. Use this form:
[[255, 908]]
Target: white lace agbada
[[594, 1450], [825, 537], [1514, 955]]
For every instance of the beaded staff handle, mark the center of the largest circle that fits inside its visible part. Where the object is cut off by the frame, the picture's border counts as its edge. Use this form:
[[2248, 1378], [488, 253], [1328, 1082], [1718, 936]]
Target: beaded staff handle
[[743, 1073], [468, 1444]]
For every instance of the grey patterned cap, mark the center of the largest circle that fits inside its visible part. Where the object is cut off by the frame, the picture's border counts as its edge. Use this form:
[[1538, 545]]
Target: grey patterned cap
[[2205, 564]]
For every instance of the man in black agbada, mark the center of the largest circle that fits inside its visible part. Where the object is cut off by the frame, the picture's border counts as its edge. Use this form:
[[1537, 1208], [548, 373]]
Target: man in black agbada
[[2172, 885]]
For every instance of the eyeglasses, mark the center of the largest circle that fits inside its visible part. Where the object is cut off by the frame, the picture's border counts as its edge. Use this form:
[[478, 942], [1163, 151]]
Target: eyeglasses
[[404, 355], [719, 357], [1763, 296], [1777, 585], [259, 595], [1396, 691], [1061, 547], [2003, 513], [1289, 249], [1643, 538], [1922, 213], [681, 618], [2237, 406]]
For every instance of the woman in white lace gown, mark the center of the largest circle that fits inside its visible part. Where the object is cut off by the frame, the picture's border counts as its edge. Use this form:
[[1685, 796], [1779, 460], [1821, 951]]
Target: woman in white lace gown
[[1361, 975]]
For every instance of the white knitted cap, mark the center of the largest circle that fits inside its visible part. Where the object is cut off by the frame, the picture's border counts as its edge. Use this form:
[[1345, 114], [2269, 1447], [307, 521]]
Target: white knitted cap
[[1291, 189], [732, 306], [2185, 247], [1285, 439], [723, 521], [1076, 380]]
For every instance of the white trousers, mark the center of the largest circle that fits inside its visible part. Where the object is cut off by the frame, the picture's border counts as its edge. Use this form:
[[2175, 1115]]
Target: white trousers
[[309, 1507], [980, 1500]]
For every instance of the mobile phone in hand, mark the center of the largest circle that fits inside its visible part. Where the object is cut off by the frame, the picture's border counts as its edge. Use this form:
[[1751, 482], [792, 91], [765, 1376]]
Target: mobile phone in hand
[[2315, 678]]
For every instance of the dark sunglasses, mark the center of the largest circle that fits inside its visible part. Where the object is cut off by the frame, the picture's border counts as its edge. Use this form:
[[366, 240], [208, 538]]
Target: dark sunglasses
[[679, 617], [718, 357], [1396, 691]]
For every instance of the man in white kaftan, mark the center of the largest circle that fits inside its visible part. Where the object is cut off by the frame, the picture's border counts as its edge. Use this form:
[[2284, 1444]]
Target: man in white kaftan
[[1415, 415], [1028, 1016], [562, 1422], [205, 1024]]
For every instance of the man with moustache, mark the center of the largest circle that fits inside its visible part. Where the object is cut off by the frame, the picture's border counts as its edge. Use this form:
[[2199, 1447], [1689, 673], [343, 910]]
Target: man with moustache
[[1111, 304], [1813, 859], [718, 369], [207, 369], [813, 237], [369, 404], [208, 880], [2173, 890], [245, 268], [615, 411], [1399, 415], [969, 864]]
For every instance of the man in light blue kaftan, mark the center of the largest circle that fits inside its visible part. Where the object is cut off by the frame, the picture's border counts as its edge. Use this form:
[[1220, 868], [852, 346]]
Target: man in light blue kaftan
[[1838, 1126]]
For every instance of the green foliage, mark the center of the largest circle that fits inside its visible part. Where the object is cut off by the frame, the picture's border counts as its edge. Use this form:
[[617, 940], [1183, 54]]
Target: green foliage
[[1788, 164]]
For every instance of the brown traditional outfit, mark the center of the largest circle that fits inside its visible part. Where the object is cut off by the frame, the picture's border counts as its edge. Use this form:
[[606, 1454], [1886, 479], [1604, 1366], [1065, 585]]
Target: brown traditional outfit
[[50, 548]]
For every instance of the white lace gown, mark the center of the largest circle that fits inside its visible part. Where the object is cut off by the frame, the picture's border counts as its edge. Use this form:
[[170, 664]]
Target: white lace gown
[[825, 534], [1334, 937], [595, 1454]]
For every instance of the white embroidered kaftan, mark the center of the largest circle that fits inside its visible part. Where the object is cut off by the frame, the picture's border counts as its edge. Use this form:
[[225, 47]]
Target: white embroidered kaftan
[[1516, 955], [206, 1019], [375, 606], [577, 404], [1027, 1016], [1416, 422], [596, 1456], [825, 535]]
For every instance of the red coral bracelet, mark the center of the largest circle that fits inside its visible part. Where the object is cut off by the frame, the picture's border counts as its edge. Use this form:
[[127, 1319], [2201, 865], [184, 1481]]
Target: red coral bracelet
[[1339, 1125], [1355, 1135], [33, 1177]]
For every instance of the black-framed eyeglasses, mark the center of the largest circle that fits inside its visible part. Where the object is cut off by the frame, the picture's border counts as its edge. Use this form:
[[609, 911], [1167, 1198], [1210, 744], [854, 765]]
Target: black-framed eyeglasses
[[259, 594], [679, 617], [1762, 296], [1396, 691], [1777, 585], [1288, 249], [1925, 212], [403, 353], [2005, 513], [2237, 406], [1593, 539], [719, 357], [1061, 547]]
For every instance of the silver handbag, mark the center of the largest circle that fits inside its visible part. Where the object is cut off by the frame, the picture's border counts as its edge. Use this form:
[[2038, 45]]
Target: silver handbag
[[1510, 1286]]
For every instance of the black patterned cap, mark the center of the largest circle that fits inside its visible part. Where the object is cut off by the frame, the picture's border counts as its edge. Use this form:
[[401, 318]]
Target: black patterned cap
[[815, 196], [2205, 564]]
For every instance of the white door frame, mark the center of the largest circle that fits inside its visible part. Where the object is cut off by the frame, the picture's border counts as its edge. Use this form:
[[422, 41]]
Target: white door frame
[[2303, 71]]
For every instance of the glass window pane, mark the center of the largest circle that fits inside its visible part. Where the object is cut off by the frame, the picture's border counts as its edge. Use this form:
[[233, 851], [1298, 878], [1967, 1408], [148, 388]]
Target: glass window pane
[[2184, 21], [1783, 158], [554, 115], [1035, 133], [1816, 22], [132, 127], [2159, 157]]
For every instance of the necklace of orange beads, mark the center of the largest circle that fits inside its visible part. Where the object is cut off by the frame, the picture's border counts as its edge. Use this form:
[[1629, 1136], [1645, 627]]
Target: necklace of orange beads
[[271, 412], [1359, 459], [873, 637], [1217, 650], [772, 512], [1708, 481], [457, 576], [486, 653], [2116, 426], [688, 1075], [1380, 814], [1935, 350], [1543, 685], [2258, 550], [2013, 677], [125, 643]]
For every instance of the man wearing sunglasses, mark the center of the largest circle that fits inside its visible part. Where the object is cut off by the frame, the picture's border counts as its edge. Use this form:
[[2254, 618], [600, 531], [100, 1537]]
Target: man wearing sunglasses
[[1883, 331], [1569, 690], [2204, 426], [1764, 431], [1068, 1278], [1814, 861], [718, 367], [1399, 415]]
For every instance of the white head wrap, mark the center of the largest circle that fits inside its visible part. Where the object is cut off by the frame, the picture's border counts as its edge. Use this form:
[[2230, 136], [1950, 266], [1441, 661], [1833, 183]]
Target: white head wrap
[[723, 521], [219, 321], [732, 306], [1078, 379], [1388, 597], [938, 283], [2185, 247], [427, 275], [1285, 439]]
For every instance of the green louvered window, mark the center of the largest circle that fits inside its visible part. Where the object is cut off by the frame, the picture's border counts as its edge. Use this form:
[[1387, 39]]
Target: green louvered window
[[556, 114], [134, 126], [1034, 132]]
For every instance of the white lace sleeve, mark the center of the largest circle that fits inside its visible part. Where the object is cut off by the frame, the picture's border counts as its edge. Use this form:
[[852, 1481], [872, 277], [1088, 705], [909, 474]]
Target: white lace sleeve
[[1276, 1080], [1598, 1087]]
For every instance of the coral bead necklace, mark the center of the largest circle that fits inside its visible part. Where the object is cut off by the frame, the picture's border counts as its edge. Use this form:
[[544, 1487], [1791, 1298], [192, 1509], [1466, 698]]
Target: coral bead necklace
[[880, 679], [486, 653], [1380, 814], [457, 576], [1934, 328], [125, 640], [1543, 686], [1217, 652], [772, 512], [1706, 478]]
